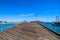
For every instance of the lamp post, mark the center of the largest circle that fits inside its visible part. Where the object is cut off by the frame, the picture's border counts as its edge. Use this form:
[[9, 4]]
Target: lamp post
[[57, 18], [35, 17]]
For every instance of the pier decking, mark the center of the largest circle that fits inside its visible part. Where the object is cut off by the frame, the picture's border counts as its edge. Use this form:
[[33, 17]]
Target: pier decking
[[28, 31]]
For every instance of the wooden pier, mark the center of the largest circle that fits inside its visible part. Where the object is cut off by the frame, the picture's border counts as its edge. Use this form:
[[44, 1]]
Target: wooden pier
[[28, 31]]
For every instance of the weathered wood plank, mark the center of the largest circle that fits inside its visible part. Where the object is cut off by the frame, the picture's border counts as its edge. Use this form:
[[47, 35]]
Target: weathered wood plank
[[30, 31]]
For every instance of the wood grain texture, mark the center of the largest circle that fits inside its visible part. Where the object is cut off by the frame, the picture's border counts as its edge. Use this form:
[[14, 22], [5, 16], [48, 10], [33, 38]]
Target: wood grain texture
[[28, 31]]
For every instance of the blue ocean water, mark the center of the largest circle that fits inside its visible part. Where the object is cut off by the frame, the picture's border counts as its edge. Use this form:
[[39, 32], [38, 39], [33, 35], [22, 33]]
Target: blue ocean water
[[52, 27], [4, 27]]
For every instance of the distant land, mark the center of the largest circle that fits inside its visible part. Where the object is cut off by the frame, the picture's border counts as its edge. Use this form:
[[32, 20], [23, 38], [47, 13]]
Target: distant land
[[5, 22]]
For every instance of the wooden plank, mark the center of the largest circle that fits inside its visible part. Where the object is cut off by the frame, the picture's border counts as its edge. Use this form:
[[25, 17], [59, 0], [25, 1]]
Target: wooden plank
[[17, 33]]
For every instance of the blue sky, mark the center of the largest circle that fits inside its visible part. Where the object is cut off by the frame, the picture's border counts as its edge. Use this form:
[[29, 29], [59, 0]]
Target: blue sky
[[20, 10]]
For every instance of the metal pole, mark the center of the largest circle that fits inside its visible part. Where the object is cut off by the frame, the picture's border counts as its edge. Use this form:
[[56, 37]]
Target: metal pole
[[35, 17], [57, 18]]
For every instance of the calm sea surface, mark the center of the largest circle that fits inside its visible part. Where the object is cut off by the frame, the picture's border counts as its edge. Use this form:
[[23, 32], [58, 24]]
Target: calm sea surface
[[52, 27], [4, 27]]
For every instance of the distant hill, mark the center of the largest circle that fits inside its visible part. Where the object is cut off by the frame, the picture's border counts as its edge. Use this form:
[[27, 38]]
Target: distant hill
[[3, 22]]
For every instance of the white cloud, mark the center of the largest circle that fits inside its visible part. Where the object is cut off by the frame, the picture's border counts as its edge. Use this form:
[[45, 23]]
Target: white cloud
[[31, 14]]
